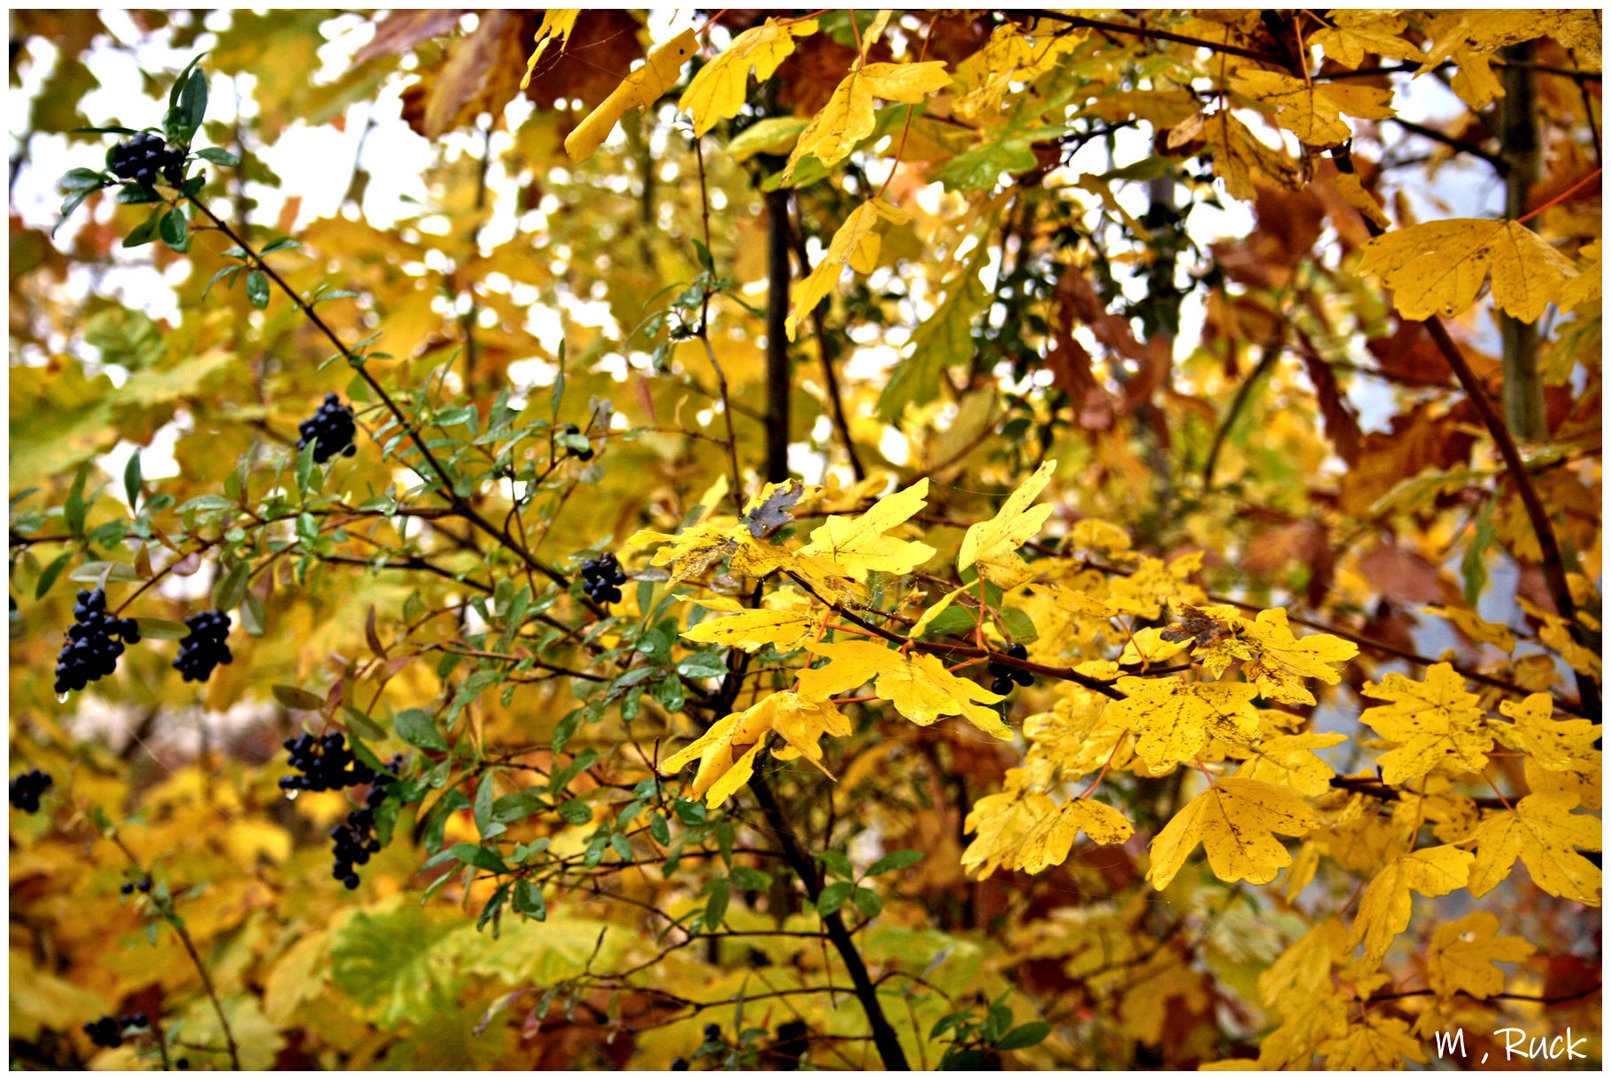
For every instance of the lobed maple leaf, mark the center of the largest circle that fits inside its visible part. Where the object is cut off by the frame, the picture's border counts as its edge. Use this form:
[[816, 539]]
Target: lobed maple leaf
[[855, 244], [1173, 718], [1554, 745], [1462, 954], [750, 630], [1543, 832], [848, 118], [1291, 761], [1027, 831], [727, 750], [1438, 724], [915, 683], [1236, 821], [1385, 906], [717, 92], [1377, 1042], [858, 546], [1313, 111], [994, 544]]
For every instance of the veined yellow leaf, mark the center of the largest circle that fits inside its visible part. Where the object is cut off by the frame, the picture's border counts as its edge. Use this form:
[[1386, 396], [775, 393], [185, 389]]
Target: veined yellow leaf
[[1313, 111], [727, 751], [1437, 268], [1462, 954], [1173, 718], [856, 244], [848, 116], [1236, 821], [1027, 831], [1438, 724], [717, 92], [994, 544], [750, 630], [1384, 909], [858, 544], [640, 89], [917, 684], [1555, 746], [1544, 833]]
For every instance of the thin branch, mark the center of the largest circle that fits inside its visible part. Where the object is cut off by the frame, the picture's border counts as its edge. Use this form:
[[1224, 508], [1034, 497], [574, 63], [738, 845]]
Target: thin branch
[[1157, 35]]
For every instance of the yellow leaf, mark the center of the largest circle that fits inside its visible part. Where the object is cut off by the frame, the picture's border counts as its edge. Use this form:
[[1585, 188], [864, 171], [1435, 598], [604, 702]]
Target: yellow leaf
[[915, 683], [1173, 719], [640, 89], [1384, 909], [1304, 969], [848, 117], [933, 611], [1476, 627], [1313, 111], [1544, 833], [750, 630], [1148, 645], [858, 544], [1378, 1042], [1152, 586], [1028, 831], [1437, 724], [994, 544], [1239, 156], [1437, 268], [717, 92], [1358, 33], [728, 749], [557, 23], [1236, 821], [1079, 735], [1462, 955], [1556, 746], [1310, 1021], [1094, 534], [1291, 760], [1280, 661], [855, 244]]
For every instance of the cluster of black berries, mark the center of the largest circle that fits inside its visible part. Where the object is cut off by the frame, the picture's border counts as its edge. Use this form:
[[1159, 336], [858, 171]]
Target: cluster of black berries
[[584, 455], [1006, 675], [108, 1032], [353, 841], [141, 158], [92, 646], [143, 885], [330, 429], [602, 579], [26, 789], [326, 764], [204, 648]]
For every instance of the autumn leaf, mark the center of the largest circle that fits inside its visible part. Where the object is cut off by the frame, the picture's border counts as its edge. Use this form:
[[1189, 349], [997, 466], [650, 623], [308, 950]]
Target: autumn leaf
[[640, 89], [1554, 745], [1437, 724], [1543, 832], [994, 544], [1462, 955], [848, 116], [1384, 908], [557, 24], [1236, 821], [1276, 660], [1028, 831], [855, 244], [1356, 34], [1375, 1043], [716, 93], [751, 630], [1313, 111], [727, 750], [915, 683], [1476, 627], [1239, 157], [1304, 969], [1173, 718], [1291, 761], [1438, 267], [858, 544]]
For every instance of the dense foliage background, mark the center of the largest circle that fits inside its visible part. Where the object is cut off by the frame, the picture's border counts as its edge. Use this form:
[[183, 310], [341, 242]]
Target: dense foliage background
[[1174, 430]]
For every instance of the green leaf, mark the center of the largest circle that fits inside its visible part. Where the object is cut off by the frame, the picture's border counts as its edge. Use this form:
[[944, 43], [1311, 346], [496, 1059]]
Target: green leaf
[[83, 180], [281, 244], [481, 807], [294, 697], [304, 466], [943, 340], [51, 573], [702, 665], [1024, 1035], [257, 289], [218, 156], [895, 860], [690, 812], [418, 728], [131, 479], [173, 228], [255, 621], [575, 812], [193, 104], [750, 879], [529, 900], [716, 906], [837, 863], [230, 272], [833, 897], [482, 858], [162, 629], [867, 902], [659, 829], [232, 587], [145, 232], [400, 964], [1473, 568]]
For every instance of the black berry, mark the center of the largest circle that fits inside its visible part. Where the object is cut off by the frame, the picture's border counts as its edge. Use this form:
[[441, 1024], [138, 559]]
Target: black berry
[[330, 429], [204, 648], [584, 455], [105, 1032], [94, 642], [713, 1033], [326, 764], [679, 1064], [1005, 675], [144, 157], [602, 578], [26, 789], [182, 1063]]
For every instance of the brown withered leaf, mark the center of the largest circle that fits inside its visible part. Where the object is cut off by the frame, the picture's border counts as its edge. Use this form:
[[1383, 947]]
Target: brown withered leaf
[[1418, 440], [1409, 353], [1336, 415], [402, 30], [480, 74], [1288, 226], [1201, 629], [1071, 364], [1404, 577]]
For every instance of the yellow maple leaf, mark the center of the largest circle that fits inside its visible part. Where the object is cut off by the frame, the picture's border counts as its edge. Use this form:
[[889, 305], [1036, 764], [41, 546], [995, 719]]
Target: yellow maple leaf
[[1304, 969], [1377, 1043], [915, 683], [639, 89], [1555, 634], [557, 23], [1239, 156], [1028, 831], [1555, 745], [855, 244], [1291, 760], [994, 544], [1153, 586], [1385, 906], [1436, 268], [1236, 821], [750, 630], [1358, 33], [1438, 724], [1275, 660], [1173, 718], [848, 117], [1543, 832], [1462, 955], [1311, 1020], [1476, 627], [1078, 735], [858, 544], [728, 749], [1313, 111], [716, 93]]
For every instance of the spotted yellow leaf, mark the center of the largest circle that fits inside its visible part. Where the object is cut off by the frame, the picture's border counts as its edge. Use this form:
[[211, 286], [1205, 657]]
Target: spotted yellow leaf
[[1276, 660], [1236, 821], [751, 630], [1437, 268], [1462, 955], [1313, 110], [1173, 718], [1438, 725], [716, 93], [915, 683], [859, 544], [994, 544], [1554, 745], [1385, 906], [1028, 831], [1543, 832], [640, 89], [1356, 34], [1291, 760]]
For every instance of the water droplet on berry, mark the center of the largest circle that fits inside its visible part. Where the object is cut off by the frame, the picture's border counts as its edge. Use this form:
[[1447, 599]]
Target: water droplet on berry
[[291, 794], [62, 697]]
